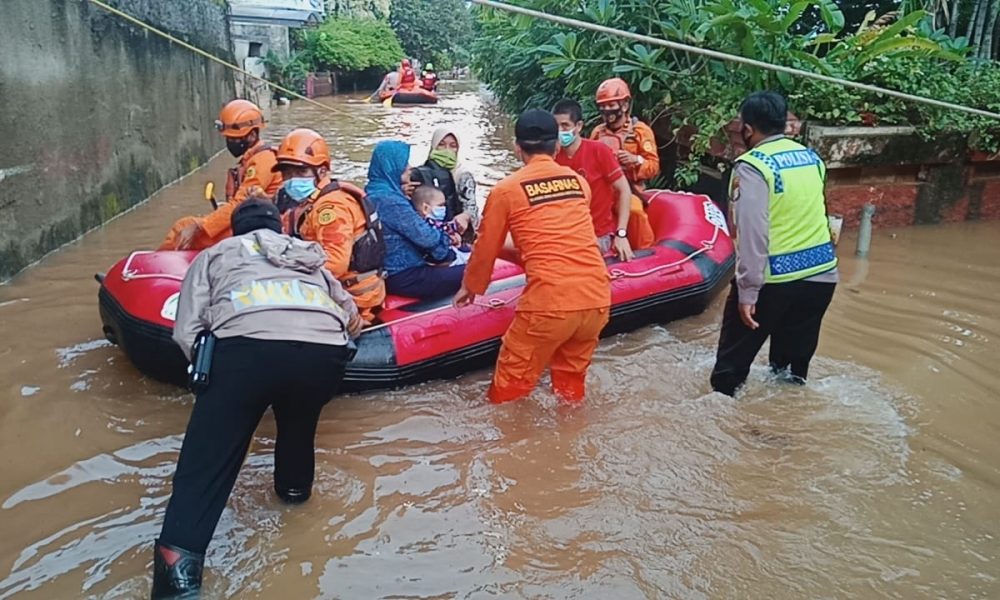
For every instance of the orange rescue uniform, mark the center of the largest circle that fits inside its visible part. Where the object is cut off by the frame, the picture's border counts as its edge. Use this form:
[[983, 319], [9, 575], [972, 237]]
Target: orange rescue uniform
[[636, 138], [566, 302], [252, 174], [336, 220]]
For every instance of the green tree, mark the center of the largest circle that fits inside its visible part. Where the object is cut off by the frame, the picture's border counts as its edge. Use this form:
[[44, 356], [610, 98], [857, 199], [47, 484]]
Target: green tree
[[349, 45], [436, 31]]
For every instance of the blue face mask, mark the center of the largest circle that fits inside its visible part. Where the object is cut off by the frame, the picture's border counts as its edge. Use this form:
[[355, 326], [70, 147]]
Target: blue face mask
[[566, 138], [438, 213], [300, 188]]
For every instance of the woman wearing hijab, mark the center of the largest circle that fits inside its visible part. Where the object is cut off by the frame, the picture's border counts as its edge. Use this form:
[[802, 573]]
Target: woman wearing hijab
[[416, 253], [457, 182]]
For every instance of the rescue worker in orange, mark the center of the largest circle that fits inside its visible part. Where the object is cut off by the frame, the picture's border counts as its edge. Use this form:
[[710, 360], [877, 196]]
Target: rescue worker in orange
[[240, 122], [407, 76], [545, 208], [317, 208], [635, 147]]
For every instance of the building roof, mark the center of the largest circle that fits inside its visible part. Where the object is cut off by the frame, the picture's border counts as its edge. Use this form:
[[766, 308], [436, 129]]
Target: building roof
[[288, 13]]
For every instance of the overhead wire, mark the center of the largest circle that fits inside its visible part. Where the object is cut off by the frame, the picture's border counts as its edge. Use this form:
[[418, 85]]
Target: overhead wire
[[292, 93], [723, 56]]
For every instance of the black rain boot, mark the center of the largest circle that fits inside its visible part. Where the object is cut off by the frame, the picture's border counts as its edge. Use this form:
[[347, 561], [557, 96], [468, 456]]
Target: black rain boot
[[176, 573], [293, 495]]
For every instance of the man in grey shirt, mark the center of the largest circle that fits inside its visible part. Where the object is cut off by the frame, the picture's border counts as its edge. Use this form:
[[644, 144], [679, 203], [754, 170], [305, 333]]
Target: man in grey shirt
[[786, 270]]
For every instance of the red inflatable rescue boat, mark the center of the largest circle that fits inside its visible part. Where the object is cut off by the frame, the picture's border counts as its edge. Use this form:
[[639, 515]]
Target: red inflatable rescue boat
[[417, 95], [423, 340]]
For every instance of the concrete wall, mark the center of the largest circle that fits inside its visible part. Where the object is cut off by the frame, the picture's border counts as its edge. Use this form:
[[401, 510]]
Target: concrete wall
[[272, 38], [97, 114]]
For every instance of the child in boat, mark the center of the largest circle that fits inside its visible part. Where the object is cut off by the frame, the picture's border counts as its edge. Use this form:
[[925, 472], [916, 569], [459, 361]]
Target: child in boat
[[430, 203]]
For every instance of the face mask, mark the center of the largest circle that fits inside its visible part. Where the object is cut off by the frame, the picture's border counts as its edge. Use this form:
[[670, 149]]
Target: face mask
[[438, 213], [300, 188], [612, 116], [746, 138], [237, 146], [446, 158], [566, 138]]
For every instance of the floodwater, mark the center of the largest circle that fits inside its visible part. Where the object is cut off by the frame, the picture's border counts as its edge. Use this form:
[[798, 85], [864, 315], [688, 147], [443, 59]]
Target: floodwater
[[879, 479]]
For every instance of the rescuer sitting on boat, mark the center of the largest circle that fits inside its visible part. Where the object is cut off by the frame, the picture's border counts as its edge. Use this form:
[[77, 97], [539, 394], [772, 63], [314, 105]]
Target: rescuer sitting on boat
[[429, 81], [240, 123], [546, 209], [786, 268], [317, 208], [278, 324], [635, 147], [407, 76], [410, 240]]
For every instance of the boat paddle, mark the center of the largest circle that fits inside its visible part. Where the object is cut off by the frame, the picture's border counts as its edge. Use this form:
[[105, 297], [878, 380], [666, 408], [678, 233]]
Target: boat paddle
[[210, 194]]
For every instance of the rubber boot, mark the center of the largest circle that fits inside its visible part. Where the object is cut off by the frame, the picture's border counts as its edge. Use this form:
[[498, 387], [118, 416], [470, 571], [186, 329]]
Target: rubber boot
[[176, 573], [292, 495]]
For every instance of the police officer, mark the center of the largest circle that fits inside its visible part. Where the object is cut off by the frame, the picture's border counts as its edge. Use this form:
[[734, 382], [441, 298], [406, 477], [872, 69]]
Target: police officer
[[786, 269], [282, 324]]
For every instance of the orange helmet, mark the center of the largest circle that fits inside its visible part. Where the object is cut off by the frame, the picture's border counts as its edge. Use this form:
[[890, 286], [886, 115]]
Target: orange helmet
[[304, 148], [238, 118], [613, 90]]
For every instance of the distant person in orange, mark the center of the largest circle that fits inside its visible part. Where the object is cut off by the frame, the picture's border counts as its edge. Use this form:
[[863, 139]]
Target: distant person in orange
[[635, 147], [407, 76], [611, 197], [240, 122], [317, 208], [546, 209]]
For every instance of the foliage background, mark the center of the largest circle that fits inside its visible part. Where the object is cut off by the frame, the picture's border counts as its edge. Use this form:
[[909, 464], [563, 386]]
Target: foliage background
[[528, 62]]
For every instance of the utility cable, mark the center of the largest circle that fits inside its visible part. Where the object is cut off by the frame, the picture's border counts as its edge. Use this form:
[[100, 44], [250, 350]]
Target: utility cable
[[645, 39], [218, 60]]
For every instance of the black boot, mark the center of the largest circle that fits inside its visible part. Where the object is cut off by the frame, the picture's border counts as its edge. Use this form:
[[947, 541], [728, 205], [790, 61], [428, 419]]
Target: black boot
[[293, 495], [176, 573]]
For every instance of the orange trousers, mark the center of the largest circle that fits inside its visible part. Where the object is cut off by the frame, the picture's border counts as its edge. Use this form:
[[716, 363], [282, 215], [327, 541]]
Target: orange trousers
[[201, 239], [562, 340], [640, 232]]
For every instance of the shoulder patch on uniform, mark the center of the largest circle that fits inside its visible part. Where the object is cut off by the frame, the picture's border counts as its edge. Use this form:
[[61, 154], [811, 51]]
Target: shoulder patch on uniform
[[551, 189], [734, 188], [326, 216], [648, 146], [251, 171]]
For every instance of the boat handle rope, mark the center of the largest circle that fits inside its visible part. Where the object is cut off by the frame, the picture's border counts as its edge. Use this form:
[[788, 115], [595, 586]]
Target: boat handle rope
[[706, 246], [129, 275]]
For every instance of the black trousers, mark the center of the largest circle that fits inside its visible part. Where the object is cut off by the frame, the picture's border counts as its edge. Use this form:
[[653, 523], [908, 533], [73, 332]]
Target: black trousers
[[789, 313], [296, 379], [426, 283]]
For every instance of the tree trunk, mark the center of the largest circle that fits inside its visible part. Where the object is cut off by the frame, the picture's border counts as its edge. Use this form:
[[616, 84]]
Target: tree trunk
[[970, 29], [956, 6], [977, 35], [986, 49]]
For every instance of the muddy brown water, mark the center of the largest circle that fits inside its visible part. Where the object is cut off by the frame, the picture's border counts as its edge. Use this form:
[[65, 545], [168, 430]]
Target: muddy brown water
[[877, 480]]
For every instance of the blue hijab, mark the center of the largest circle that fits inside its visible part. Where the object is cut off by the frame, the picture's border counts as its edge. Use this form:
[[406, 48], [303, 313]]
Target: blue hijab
[[389, 159]]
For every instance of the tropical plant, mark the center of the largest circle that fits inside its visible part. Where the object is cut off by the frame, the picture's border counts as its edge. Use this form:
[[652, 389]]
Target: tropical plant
[[289, 73], [533, 63]]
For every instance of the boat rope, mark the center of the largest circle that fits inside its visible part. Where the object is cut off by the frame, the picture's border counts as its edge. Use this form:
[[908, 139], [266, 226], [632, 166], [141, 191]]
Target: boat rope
[[129, 275], [228, 65], [706, 246], [492, 304], [723, 56]]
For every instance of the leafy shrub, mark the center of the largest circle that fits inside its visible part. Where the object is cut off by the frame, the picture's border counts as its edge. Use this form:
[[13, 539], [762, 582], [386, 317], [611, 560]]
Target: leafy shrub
[[529, 62]]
